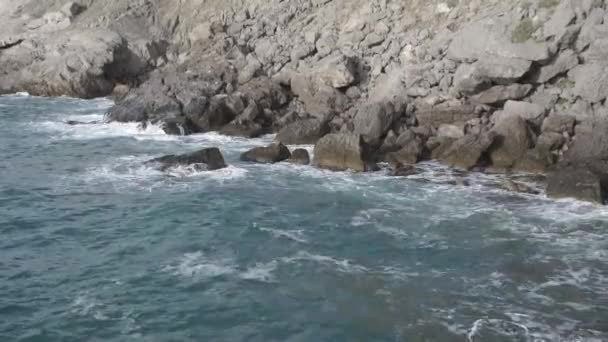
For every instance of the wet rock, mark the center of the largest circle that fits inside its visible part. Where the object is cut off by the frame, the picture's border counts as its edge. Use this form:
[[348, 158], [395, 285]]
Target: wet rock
[[410, 152], [514, 186], [273, 153], [299, 156], [400, 170], [303, 132], [466, 152], [343, 151], [77, 123], [577, 182], [211, 158]]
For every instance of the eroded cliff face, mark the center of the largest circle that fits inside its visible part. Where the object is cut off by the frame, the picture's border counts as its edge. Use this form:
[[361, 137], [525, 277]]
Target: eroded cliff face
[[512, 85]]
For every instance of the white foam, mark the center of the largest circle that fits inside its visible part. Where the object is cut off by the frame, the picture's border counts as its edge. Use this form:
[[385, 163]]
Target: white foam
[[84, 305], [260, 272], [345, 266], [62, 131], [197, 265], [295, 235]]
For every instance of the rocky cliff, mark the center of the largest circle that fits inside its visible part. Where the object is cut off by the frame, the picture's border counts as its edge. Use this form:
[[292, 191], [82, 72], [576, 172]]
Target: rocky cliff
[[507, 85]]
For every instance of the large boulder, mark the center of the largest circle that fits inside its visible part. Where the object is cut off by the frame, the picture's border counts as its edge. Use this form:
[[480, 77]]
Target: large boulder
[[303, 132], [591, 141], [410, 153], [531, 112], [320, 100], [513, 139], [577, 182], [207, 158], [373, 121], [273, 153], [343, 151], [466, 153]]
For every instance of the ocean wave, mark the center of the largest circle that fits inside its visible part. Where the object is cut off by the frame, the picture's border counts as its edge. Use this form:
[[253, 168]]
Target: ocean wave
[[199, 266], [345, 266], [295, 235]]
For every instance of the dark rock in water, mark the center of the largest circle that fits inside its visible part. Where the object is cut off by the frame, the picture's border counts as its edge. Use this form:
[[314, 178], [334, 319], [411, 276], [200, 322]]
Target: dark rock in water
[[466, 152], [76, 123], [212, 157], [410, 152], [513, 186], [580, 182], [307, 131], [299, 156], [343, 151], [273, 153], [400, 170]]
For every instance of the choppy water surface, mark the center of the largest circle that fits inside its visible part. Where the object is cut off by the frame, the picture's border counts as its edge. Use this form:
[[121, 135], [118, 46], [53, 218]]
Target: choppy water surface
[[96, 246]]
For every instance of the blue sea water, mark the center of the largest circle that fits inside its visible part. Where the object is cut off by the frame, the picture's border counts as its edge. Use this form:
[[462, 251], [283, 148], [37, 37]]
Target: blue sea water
[[95, 246]]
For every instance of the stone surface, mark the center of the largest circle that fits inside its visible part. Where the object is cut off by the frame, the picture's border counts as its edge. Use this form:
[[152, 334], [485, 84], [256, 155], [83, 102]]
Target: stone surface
[[272, 153], [299, 156], [373, 121], [511, 143], [577, 182], [211, 157], [466, 152], [343, 151], [303, 132], [500, 93]]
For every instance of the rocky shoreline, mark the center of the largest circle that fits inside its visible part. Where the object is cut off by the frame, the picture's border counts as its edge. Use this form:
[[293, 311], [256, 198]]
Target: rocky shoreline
[[516, 86]]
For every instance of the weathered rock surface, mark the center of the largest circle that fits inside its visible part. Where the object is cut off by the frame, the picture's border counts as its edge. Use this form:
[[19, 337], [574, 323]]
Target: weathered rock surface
[[299, 156], [466, 153], [208, 159], [343, 151], [303, 132], [511, 143], [273, 153], [577, 182]]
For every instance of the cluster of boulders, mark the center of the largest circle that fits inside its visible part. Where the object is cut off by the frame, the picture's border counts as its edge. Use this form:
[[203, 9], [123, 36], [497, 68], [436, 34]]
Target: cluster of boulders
[[508, 85]]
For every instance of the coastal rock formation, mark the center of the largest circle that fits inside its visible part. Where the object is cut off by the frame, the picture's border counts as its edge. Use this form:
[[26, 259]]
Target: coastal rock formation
[[299, 156], [273, 153], [343, 151], [509, 85], [207, 159]]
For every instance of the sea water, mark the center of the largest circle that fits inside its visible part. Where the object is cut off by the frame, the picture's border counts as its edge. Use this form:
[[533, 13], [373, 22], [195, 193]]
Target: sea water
[[97, 246]]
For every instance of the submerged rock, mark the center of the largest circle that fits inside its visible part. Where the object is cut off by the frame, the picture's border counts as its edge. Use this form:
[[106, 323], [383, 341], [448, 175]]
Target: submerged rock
[[211, 157], [273, 153], [400, 170]]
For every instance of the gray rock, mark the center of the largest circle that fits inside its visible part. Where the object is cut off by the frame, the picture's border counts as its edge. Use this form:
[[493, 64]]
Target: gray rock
[[577, 182], [450, 131], [299, 156], [531, 112], [501, 70], [591, 141], [465, 153], [561, 65], [591, 81], [467, 81], [320, 100], [410, 153], [211, 157], [499, 94], [302, 132], [513, 139], [559, 123], [373, 121], [272, 153], [343, 151], [493, 36], [445, 114]]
